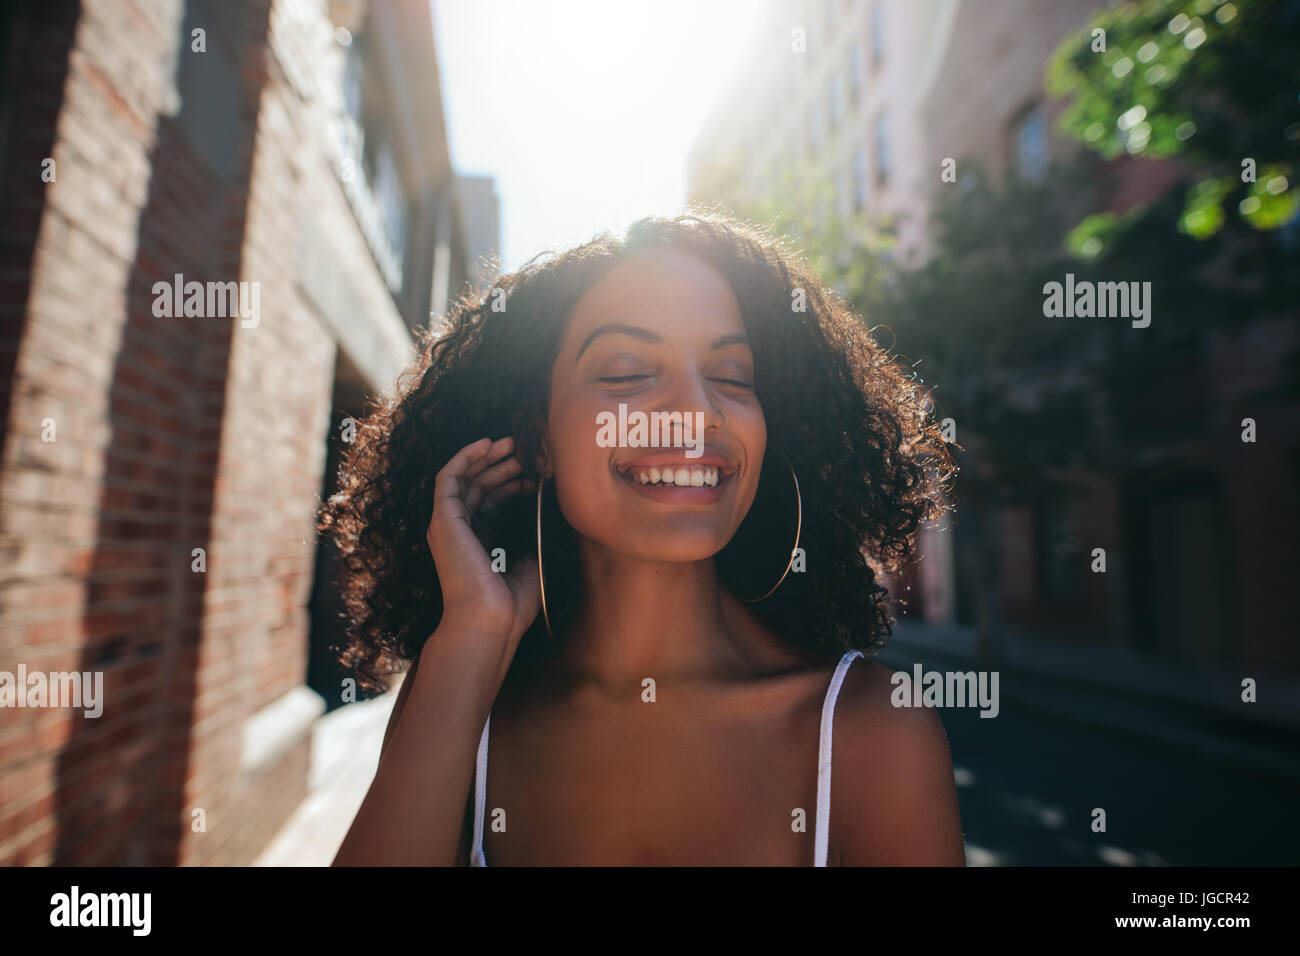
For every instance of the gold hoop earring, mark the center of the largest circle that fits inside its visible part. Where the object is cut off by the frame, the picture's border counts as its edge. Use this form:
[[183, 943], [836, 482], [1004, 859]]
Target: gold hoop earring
[[541, 578], [798, 526]]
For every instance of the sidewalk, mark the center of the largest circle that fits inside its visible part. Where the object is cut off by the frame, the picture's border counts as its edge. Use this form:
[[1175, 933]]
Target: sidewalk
[[1097, 687], [345, 753]]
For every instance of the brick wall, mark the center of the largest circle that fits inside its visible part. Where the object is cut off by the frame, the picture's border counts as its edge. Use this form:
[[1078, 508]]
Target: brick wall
[[172, 433], [85, 573], [100, 524]]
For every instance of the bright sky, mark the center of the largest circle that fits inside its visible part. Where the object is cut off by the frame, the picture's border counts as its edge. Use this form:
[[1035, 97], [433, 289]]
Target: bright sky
[[583, 110]]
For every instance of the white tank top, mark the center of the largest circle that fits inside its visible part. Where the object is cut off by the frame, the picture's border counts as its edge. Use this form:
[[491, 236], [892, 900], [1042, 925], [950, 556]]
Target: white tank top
[[821, 832]]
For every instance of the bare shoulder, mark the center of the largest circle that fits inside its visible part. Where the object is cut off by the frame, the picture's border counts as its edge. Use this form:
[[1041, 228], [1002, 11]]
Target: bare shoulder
[[871, 731], [893, 794]]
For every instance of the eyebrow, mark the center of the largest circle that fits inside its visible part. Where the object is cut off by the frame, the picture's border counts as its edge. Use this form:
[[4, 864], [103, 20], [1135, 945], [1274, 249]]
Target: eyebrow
[[654, 338]]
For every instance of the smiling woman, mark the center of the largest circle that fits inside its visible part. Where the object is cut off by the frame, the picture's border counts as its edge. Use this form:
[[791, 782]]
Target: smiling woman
[[651, 713]]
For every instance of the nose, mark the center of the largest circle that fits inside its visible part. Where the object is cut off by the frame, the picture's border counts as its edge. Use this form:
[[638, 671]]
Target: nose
[[691, 393]]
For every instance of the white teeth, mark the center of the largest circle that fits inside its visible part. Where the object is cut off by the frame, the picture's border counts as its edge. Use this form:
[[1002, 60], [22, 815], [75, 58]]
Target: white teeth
[[682, 477]]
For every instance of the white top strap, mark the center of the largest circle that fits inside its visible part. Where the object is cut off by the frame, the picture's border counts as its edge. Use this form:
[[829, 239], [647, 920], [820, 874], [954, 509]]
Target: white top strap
[[822, 827], [824, 759], [476, 857]]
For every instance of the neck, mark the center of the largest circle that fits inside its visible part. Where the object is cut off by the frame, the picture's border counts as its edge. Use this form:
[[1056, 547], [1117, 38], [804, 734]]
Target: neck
[[663, 620]]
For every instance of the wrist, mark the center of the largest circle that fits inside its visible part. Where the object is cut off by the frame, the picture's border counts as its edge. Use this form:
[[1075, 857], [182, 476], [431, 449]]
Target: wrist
[[473, 646], [474, 629]]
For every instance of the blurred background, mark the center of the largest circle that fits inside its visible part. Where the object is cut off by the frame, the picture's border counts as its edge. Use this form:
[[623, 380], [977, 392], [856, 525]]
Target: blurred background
[[1124, 547]]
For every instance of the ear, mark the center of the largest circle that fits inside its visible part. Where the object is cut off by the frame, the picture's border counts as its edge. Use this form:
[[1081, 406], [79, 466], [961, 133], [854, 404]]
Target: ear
[[543, 461], [537, 426]]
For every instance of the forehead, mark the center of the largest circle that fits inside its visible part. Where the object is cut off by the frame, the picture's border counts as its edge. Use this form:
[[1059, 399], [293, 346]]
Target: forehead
[[673, 293]]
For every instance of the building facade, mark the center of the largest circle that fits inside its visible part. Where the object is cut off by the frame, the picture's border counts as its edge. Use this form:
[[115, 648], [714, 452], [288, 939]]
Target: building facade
[[480, 210], [874, 97], [229, 220]]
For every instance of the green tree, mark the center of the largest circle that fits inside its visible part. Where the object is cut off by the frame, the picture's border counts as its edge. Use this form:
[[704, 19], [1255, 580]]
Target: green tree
[[1210, 82], [799, 207], [1211, 86]]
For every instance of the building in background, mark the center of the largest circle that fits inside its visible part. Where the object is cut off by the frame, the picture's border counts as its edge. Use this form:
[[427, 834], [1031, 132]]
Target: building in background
[[830, 94], [870, 96], [161, 462], [873, 96], [481, 213]]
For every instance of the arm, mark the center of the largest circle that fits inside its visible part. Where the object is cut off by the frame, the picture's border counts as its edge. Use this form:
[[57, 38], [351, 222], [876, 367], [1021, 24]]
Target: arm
[[893, 795], [403, 692], [413, 813]]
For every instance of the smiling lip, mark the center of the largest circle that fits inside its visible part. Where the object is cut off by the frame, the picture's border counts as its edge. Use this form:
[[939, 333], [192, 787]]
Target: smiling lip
[[682, 494], [677, 458]]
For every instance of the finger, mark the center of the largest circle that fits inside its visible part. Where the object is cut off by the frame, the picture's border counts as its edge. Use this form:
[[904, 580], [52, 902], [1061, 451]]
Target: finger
[[489, 479], [516, 486], [451, 478], [498, 451]]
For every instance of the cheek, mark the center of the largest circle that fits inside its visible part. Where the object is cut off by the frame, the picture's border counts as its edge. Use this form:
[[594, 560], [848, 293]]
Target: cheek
[[755, 436], [583, 482], [750, 430], [573, 431]]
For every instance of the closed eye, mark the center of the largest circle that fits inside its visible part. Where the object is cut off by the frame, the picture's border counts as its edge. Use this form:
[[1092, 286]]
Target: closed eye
[[632, 378]]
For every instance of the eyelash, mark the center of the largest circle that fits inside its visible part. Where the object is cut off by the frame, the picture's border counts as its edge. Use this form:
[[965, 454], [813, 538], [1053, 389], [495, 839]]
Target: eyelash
[[630, 378]]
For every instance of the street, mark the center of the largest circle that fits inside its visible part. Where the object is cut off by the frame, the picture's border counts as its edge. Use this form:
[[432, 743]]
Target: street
[[1028, 783]]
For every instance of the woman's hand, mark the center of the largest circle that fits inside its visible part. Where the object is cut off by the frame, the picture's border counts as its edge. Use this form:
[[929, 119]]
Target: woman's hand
[[413, 813], [475, 598]]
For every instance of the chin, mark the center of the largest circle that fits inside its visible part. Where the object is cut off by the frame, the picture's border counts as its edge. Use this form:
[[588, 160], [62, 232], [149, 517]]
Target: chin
[[664, 544]]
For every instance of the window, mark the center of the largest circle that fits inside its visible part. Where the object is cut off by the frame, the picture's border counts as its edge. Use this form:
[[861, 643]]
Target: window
[[209, 90], [882, 150], [877, 28], [391, 201], [857, 71], [861, 179], [835, 100], [368, 164], [1029, 145], [1061, 554]]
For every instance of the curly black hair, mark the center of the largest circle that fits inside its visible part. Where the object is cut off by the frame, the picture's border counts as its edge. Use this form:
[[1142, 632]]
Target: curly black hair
[[856, 426]]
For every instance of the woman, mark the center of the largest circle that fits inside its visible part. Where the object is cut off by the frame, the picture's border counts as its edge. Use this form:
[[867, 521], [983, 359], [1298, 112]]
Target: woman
[[661, 690]]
